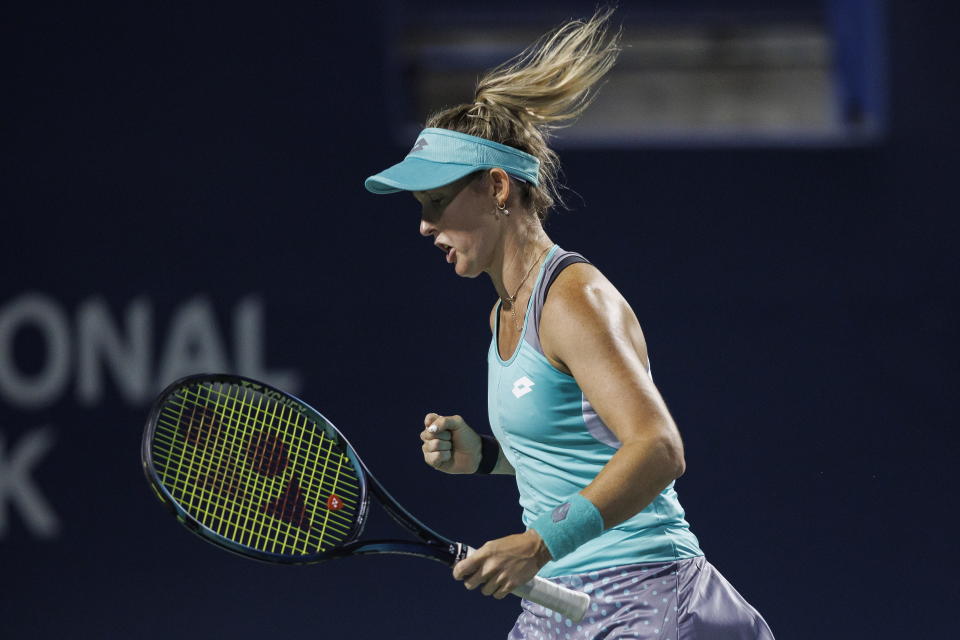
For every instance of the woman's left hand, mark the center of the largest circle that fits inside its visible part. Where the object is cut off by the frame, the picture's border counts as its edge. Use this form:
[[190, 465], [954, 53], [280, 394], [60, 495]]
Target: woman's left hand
[[503, 564]]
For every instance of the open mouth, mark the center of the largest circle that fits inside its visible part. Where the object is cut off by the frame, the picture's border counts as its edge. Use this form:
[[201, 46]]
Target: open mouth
[[449, 251]]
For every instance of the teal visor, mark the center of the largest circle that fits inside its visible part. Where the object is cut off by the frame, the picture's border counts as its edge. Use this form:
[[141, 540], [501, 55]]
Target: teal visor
[[441, 156]]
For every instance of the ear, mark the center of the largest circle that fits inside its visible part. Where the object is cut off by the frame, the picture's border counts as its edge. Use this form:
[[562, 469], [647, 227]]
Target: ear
[[500, 185]]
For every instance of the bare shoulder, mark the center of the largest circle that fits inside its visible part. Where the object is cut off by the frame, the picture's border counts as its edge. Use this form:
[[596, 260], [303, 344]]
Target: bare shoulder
[[582, 302]]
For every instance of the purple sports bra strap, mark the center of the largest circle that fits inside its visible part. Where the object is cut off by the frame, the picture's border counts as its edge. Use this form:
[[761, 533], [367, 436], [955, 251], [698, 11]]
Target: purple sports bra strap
[[559, 261]]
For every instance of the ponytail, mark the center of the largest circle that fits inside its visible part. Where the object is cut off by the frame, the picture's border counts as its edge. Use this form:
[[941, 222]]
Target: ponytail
[[545, 87]]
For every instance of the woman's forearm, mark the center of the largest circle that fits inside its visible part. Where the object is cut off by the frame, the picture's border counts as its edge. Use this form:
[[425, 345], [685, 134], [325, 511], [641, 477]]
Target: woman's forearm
[[633, 477]]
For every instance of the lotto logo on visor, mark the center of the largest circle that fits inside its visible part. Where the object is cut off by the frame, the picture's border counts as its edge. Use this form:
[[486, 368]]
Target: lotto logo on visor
[[421, 143]]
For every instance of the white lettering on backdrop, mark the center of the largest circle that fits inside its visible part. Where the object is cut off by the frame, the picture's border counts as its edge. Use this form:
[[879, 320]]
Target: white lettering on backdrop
[[17, 487], [98, 345]]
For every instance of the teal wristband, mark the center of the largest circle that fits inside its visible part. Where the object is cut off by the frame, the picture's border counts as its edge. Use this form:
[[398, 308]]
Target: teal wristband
[[568, 526]]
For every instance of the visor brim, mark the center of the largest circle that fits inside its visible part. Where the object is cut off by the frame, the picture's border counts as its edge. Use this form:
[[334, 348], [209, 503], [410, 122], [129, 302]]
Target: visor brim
[[417, 174]]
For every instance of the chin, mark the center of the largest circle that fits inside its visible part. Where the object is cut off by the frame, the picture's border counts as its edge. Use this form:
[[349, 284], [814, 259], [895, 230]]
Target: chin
[[464, 272]]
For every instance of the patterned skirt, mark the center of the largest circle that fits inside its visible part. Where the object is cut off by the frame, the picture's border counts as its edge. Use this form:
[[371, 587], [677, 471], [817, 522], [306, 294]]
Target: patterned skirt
[[683, 600]]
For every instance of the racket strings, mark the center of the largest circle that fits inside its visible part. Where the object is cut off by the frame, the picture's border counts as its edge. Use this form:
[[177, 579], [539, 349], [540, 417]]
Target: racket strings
[[280, 505], [286, 505], [255, 471]]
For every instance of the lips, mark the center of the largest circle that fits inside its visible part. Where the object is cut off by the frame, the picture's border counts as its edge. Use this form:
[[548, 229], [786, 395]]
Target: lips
[[447, 249]]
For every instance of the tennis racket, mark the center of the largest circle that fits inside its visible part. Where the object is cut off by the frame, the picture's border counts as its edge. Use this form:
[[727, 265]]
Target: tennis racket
[[258, 472]]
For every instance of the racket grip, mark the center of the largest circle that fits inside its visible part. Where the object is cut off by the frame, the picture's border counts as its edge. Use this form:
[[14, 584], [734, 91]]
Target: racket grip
[[567, 602]]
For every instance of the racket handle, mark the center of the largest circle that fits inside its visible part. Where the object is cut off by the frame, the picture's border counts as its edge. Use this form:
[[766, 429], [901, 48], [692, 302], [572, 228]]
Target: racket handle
[[567, 602]]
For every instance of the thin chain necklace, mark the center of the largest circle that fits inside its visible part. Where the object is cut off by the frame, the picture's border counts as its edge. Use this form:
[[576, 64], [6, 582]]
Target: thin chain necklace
[[513, 298]]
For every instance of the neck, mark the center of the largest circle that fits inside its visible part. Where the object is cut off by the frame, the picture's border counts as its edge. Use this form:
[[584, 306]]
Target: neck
[[522, 248]]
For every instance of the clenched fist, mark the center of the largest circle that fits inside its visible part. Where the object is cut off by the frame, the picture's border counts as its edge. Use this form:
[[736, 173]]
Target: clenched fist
[[449, 444]]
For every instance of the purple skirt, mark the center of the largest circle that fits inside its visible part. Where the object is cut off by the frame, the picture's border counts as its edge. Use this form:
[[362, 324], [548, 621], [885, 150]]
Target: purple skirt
[[683, 600]]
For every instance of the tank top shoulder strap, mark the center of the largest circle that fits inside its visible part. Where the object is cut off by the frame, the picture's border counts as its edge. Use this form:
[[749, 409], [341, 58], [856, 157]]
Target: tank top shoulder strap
[[558, 261]]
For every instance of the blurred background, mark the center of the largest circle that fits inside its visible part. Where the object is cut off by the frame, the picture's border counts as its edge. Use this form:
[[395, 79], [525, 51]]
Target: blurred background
[[770, 184]]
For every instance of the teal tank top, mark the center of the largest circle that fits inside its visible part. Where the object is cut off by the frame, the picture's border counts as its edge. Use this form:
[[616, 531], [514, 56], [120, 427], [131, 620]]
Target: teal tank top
[[557, 444]]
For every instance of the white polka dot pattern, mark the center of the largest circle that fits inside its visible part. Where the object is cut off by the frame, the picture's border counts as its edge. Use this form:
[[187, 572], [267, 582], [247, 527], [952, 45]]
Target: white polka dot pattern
[[615, 611], [684, 600]]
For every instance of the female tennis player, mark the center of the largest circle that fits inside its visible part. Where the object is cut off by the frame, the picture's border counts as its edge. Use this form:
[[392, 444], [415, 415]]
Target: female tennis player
[[575, 414]]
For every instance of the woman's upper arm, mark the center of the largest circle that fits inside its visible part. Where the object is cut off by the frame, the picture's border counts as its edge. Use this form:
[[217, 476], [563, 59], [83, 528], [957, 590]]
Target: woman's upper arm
[[589, 328]]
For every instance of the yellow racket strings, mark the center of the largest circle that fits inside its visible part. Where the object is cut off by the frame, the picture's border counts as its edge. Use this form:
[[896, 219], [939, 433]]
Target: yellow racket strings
[[253, 470]]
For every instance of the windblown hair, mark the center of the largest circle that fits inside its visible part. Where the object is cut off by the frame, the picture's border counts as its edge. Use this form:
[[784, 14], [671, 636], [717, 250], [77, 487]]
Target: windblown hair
[[545, 87]]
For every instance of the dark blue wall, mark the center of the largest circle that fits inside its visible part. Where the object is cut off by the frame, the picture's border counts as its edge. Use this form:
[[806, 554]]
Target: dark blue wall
[[798, 307]]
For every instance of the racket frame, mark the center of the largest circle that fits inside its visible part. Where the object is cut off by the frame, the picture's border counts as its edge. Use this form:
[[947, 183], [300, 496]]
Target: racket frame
[[431, 545]]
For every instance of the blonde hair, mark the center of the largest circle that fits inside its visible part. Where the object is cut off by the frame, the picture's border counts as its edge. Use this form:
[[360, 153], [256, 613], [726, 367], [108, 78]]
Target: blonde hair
[[546, 86]]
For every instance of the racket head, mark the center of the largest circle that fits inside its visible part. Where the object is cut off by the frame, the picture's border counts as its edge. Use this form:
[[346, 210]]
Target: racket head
[[254, 470]]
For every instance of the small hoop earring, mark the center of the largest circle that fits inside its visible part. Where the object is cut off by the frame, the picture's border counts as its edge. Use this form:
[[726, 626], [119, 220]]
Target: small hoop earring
[[502, 208]]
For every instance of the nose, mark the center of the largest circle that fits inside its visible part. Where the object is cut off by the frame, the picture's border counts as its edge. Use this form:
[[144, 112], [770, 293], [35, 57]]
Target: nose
[[426, 228]]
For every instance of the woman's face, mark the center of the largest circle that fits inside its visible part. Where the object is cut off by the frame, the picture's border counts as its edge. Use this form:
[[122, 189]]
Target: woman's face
[[460, 217]]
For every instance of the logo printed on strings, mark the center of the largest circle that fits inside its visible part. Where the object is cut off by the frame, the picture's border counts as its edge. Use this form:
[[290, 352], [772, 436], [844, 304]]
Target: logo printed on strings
[[334, 503]]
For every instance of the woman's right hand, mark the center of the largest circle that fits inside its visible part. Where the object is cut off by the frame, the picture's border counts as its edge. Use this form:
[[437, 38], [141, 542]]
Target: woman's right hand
[[449, 444]]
